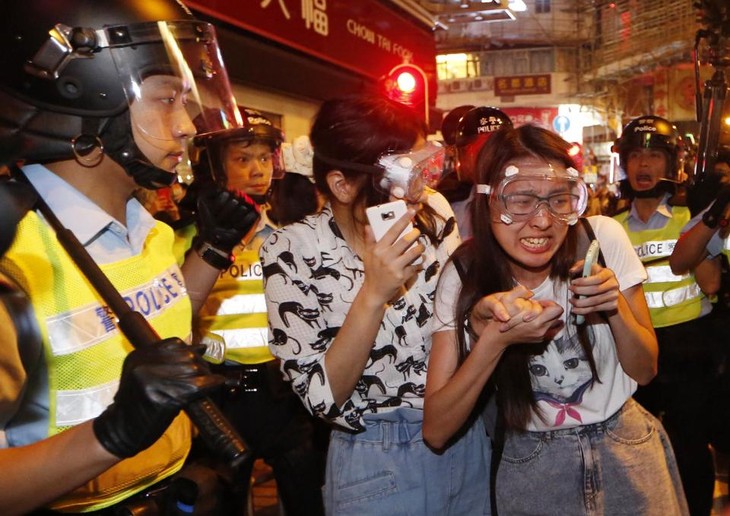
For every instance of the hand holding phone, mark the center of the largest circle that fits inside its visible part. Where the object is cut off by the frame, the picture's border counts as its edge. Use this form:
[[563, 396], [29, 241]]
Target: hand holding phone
[[382, 216], [590, 260]]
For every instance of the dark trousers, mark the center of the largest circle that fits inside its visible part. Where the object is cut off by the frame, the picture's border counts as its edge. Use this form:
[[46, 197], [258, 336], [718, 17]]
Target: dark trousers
[[681, 396], [274, 424]]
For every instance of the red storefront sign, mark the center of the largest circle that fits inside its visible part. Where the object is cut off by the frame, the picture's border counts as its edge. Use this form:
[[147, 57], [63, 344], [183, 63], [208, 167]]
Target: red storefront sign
[[363, 35], [531, 115], [522, 85]]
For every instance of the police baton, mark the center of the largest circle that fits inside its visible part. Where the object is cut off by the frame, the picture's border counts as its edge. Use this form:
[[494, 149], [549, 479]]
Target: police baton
[[215, 430]]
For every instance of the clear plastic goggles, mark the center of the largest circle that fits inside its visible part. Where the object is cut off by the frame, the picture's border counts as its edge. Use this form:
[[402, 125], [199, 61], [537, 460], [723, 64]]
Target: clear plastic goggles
[[522, 193], [406, 174]]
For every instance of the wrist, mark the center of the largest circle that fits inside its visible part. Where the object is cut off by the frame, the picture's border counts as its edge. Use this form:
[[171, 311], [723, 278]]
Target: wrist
[[469, 327], [213, 256], [474, 321], [713, 220]]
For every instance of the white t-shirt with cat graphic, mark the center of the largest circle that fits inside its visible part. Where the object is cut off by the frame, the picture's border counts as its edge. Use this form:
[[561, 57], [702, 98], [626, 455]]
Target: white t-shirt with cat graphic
[[566, 393]]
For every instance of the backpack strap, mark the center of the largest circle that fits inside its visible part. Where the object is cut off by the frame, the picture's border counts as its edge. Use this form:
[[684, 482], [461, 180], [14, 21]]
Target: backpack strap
[[584, 240]]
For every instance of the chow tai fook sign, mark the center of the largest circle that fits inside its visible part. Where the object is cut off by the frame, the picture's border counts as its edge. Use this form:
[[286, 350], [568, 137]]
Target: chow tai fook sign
[[522, 85], [360, 35]]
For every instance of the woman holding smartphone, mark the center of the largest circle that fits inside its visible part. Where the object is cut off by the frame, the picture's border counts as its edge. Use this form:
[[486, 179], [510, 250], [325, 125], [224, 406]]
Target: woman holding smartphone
[[574, 441], [350, 318]]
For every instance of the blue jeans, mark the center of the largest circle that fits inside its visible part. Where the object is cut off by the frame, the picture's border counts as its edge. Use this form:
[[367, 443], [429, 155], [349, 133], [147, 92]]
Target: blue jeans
[[624, 465], [388, 469]]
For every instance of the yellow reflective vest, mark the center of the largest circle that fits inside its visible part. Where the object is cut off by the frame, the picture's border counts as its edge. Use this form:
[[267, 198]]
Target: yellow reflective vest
[[84, 350], [672, 299], [236, 308]]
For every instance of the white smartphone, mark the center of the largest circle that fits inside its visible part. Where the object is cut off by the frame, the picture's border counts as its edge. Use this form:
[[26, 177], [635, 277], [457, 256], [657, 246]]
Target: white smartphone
[[590, 260], [382, 216]]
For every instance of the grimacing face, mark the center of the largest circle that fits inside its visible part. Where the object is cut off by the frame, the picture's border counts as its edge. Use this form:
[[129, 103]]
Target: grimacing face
[[160, 121], [249, 166], [531, 243]]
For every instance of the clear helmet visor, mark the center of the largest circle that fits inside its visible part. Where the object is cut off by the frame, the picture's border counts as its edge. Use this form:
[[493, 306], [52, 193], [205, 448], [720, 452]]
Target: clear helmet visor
[[405, 175], [522, 193], [173, 74]]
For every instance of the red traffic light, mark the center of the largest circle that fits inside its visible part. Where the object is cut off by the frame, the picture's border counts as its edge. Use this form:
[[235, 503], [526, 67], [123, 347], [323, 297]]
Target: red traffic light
[[407, 84]]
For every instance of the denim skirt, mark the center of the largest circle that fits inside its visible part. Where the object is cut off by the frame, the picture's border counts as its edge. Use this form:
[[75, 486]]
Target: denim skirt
[[624, 465], [389, 470]]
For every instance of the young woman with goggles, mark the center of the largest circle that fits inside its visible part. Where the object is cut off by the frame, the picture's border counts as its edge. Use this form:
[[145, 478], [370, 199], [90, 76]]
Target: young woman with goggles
[[505, 310]]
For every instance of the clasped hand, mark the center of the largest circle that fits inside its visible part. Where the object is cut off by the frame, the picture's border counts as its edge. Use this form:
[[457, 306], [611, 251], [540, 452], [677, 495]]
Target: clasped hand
[[521, 319], [517, 317]]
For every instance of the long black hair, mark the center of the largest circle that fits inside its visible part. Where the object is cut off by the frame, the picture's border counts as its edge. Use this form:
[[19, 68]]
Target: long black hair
[[486, 264]]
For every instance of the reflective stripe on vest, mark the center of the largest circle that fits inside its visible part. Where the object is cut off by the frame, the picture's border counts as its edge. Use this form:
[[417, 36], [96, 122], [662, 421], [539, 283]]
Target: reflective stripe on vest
[[245, 338], [654, 249], [74, 407], [82, 327], [660, 273], [84, 352], [672, 299], [243, 304], [236, 308]]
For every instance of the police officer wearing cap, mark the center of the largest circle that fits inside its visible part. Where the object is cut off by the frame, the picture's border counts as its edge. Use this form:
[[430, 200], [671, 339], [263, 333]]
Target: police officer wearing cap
[[269, 416], [650, 157], [472, 131], [96, 99]]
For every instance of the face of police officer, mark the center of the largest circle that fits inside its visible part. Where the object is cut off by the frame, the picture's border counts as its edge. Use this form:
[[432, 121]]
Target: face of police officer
[[249, 167], [161, 124], [645, 167]]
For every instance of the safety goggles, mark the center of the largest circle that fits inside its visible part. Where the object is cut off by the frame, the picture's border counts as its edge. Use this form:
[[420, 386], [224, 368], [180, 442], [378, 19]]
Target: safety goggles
[[522, 193], [404, 175]]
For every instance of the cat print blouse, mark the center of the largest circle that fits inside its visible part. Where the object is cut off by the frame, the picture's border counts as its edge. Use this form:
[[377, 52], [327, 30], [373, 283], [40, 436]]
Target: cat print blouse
[[311, 277], [566, 393]]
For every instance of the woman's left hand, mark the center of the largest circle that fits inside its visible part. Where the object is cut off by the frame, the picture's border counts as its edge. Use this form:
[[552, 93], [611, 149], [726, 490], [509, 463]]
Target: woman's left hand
[[598, 292]]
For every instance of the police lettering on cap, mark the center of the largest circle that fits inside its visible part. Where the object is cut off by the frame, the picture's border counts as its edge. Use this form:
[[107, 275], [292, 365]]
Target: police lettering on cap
[[262, 128], [480, 121]]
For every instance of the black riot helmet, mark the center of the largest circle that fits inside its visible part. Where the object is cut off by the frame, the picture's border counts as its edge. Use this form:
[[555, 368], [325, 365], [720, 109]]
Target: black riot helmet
[[71, 69], [479, 121], [210, 146], [651, 132]]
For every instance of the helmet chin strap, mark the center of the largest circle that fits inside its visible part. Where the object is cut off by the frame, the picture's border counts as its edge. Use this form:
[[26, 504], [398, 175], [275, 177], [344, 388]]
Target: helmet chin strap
[[652, 193], [120, 146]]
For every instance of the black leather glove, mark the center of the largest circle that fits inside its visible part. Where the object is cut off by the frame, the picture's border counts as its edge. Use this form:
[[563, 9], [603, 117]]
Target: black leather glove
[[157, 382], [713, 217], [223, 219]]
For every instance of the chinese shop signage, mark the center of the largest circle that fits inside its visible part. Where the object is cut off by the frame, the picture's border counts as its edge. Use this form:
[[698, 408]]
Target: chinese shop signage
[[363, 36], [522, 85]]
